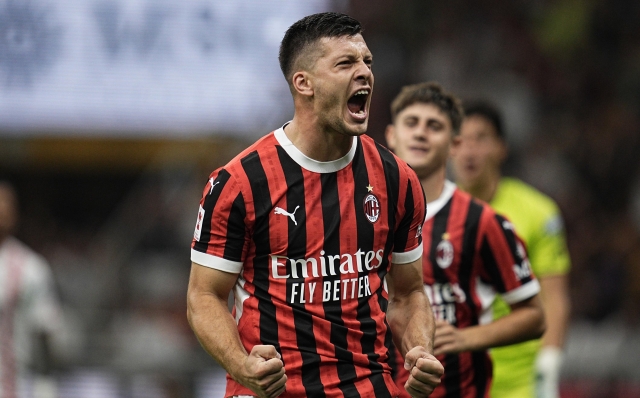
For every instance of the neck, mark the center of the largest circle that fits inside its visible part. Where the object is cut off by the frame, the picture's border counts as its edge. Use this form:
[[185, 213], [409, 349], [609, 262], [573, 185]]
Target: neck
[[316, 142], [484, 192], [433, 184]]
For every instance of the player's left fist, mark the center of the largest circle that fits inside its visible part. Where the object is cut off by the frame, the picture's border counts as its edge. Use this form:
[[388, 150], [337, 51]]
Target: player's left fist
[[425, 372]]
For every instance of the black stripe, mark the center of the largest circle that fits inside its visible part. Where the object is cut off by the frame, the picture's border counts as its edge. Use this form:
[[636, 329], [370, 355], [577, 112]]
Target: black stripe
[[235, 230], [365, 230], [471, 225], [402, 234], [451, 379], [392, 179], [440, 221], [297, 249], [262, 207], [333, 310], [510, 236], [392, 353], [481, 372], [491, 266], [209, 204]]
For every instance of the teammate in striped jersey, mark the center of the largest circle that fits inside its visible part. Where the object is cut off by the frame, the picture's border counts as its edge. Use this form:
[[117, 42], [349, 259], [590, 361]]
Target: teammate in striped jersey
[[305, 226], [470, 253], [529, 369]]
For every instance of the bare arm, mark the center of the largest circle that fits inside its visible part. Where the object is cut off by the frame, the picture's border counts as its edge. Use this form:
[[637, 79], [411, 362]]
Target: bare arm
[[412, 325], [555, 300], [261, 370], [525, 322]]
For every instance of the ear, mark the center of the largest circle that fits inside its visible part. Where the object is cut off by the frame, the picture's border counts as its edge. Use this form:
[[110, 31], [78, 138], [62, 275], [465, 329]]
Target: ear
[[390, 136], [302, 83], [455, 145], [503, 151]]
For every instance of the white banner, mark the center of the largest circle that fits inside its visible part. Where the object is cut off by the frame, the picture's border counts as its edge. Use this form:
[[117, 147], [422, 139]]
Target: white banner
[[144, 67]]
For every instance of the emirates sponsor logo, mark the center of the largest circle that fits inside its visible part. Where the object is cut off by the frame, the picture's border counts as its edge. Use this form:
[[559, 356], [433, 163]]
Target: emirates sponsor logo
[[371, 208], [443, 298], [325, 265], [283, 267]]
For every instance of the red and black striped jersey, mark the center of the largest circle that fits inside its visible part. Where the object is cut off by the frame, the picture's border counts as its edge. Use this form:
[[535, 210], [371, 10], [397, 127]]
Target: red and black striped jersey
[[312, 242], [470, 255]]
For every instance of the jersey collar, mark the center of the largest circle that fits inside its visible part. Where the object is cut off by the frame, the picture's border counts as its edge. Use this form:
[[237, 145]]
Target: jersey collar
[[447, 192], [311, 164]]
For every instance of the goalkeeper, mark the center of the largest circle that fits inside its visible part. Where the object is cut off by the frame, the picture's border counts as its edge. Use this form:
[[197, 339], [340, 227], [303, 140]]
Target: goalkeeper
[[529, 369]]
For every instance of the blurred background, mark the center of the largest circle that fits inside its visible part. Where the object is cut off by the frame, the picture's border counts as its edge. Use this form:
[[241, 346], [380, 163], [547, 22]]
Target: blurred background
[[114, 112]]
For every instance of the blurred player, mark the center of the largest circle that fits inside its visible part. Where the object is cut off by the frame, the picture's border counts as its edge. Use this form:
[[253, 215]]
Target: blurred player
[[29, 312], [537, 219], [470, 253], [305, 225]]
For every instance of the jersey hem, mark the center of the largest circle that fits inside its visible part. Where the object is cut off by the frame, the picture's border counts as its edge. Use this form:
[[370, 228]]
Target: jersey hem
[[407, 257], [211, 261], [522, 293]]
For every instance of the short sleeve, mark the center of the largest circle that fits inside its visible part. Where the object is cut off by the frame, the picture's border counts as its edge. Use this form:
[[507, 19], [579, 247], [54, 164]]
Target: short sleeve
[[548, 252], [220, 236], [505, 264], [412, 212]]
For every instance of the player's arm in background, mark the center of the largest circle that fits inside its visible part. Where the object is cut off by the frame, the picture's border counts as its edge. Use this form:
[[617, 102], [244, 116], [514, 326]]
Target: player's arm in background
[[550, 258], [412, 326], [262, 370], [217, 254], [505, 267]]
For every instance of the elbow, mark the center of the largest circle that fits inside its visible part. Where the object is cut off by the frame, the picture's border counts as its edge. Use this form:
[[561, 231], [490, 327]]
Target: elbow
[[540, 325], [191, 310]]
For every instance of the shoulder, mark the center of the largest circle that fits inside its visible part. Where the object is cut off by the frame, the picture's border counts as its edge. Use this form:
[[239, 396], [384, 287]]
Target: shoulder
[[522, 193], [32, 262], [390, 162], [265, 146]]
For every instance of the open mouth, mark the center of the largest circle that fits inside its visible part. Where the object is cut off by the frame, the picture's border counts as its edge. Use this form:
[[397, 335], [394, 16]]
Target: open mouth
[[358, 102]]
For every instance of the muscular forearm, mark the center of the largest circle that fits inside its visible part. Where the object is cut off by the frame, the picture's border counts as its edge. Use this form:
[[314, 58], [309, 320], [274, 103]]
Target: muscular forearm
[[411, 321], [206, 310]]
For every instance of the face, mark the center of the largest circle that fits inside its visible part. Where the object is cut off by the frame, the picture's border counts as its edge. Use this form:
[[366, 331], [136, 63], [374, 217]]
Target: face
[[479, 153], [421, 136], [341, 83]]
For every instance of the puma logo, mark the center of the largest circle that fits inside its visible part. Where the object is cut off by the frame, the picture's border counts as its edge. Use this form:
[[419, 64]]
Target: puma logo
[[212, 184], [279, 210]]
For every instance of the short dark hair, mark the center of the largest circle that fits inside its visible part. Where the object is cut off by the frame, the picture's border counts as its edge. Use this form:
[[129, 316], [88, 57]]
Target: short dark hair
[[486, 110], [309, 30], [429, 93]]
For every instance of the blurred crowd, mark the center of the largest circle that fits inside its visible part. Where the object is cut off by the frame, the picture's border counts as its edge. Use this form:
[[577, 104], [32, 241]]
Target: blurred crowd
[[566, 74]]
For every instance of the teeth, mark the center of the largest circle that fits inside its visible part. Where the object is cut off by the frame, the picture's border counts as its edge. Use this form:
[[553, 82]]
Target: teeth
[[362, 92]]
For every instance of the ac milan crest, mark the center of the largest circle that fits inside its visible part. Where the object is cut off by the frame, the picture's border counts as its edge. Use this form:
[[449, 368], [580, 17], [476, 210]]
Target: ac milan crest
[[371, 208], [444, 254]]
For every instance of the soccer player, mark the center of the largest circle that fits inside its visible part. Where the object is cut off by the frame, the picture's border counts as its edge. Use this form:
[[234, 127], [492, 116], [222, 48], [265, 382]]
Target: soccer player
[[537, 219], [470, 253], [305, 226], [29, 310]]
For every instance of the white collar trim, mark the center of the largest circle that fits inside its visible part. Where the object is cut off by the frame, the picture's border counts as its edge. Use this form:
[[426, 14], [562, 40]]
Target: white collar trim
[[311, 164], [447, 192]]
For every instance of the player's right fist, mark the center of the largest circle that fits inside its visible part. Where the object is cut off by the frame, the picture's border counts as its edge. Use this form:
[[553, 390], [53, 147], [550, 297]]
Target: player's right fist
[[425, 372], [263, 372]]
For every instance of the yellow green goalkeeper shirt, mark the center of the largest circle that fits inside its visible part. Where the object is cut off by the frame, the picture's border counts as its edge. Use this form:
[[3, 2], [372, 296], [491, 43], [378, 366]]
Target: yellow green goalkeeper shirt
[[538, 222]]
